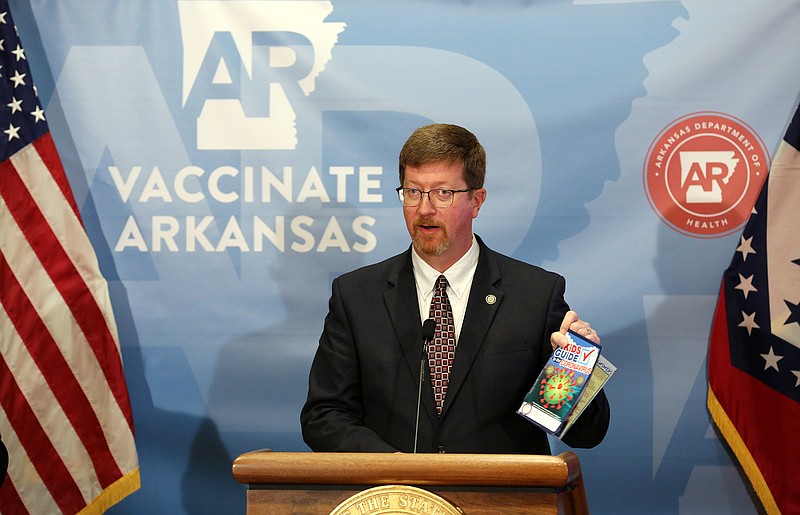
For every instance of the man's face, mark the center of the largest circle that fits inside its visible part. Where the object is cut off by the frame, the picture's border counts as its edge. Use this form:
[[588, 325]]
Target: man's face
[[441, 235]]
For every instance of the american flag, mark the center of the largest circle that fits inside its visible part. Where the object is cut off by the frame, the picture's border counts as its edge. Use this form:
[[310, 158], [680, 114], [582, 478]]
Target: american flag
[[754, 352], [65, 415]]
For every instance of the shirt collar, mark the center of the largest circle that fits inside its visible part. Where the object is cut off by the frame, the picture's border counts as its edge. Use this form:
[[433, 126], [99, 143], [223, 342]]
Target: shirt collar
[[459, 275]]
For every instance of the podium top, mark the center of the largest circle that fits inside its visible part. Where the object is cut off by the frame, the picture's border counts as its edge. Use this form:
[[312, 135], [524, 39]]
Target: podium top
[[337, 468]]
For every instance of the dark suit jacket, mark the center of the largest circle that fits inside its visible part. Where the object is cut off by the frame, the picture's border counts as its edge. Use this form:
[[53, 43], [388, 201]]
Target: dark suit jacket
[[363, 383]]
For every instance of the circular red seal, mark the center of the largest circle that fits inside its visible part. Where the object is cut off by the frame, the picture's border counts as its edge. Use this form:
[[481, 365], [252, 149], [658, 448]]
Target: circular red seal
[[703, 173]]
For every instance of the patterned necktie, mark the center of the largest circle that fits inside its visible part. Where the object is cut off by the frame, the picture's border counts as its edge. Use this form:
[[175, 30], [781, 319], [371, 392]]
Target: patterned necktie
[[442, 348]]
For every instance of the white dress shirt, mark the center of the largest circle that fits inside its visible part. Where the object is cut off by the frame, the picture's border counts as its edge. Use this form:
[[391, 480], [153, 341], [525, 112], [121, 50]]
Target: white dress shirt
[[459, 279]]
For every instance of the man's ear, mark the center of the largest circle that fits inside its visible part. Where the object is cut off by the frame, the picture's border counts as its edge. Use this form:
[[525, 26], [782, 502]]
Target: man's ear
[[478, 198]]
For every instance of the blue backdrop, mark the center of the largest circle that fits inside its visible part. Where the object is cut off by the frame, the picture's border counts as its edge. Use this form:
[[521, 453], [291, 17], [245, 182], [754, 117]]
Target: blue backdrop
[[231, 157]]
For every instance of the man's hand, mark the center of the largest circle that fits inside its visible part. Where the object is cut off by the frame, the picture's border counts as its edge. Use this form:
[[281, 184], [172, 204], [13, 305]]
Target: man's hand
[[573, 321]]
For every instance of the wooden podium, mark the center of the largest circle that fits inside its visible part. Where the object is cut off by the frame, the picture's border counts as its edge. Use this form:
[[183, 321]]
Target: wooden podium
[[316, 483]]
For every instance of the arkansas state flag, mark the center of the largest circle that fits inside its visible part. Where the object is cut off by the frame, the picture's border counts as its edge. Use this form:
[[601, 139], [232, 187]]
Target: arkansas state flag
[[754, 352]]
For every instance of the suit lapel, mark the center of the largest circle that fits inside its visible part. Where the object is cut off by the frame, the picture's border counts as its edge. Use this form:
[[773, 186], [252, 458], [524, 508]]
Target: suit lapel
[[403, 308], [484, 300]]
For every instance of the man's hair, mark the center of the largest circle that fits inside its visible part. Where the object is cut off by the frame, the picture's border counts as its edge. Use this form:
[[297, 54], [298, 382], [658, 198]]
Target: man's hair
[[445, 143]]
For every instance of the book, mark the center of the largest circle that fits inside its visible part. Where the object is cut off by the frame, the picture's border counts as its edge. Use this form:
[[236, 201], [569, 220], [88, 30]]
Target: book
[[603, 370], [568, 382]]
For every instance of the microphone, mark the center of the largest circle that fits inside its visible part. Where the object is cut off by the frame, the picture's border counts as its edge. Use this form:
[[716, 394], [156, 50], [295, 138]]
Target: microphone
[[428, 330]]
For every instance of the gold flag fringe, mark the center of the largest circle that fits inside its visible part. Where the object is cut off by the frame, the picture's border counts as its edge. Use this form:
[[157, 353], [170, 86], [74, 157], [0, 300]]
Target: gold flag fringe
[[114, 493], [742, 453]]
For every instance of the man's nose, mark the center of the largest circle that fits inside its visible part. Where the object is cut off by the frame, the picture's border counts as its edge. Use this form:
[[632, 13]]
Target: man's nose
[[425, 204]]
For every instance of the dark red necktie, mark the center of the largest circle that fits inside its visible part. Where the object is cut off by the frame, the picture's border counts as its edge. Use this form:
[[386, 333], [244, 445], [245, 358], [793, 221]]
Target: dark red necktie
[[442, 348]]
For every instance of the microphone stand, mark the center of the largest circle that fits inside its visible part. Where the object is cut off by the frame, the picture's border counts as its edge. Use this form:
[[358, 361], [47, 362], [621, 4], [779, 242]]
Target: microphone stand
[[428, 330]]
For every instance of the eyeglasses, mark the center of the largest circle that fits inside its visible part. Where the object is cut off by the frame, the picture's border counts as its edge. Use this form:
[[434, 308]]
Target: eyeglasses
[[439, 197]]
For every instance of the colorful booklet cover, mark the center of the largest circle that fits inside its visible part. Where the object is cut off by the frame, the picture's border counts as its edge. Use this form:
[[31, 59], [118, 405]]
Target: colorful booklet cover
[[555, 395]]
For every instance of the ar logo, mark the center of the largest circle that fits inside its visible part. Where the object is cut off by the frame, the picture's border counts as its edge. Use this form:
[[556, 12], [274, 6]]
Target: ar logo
[[705, 174], [245, 63]]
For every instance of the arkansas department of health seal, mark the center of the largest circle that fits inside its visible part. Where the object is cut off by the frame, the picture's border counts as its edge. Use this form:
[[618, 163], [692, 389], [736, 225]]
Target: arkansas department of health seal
[[395, 499], [703, 173]]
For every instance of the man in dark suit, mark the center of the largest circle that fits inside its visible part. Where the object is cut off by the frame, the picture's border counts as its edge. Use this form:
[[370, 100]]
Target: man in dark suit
[[508, 316]]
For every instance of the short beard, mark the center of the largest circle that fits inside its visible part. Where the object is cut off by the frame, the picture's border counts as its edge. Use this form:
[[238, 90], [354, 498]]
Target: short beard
[[429, 246]]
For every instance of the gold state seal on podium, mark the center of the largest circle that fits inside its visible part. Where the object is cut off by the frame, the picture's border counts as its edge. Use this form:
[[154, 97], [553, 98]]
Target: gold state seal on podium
[[395, 499]]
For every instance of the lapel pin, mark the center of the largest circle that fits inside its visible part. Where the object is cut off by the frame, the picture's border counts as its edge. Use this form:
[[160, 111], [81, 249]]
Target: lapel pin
[[491, 299]]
